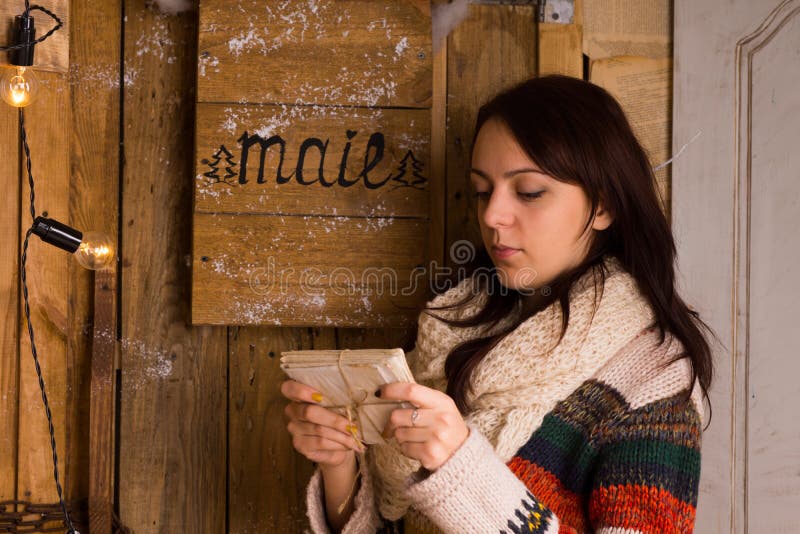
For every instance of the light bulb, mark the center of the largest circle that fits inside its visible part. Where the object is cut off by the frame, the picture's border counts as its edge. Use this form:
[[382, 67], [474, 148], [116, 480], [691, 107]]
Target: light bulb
[[93, 250], [96, 251], [19, 86]]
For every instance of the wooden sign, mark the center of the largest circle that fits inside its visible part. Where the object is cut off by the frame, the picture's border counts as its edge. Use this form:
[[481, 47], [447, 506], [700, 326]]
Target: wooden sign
[[312, 192]]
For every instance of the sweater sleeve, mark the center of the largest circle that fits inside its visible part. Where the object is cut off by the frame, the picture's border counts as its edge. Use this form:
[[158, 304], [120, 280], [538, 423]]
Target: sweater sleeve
[[365, 516], [474, 491], [596, 464], [648, 471]]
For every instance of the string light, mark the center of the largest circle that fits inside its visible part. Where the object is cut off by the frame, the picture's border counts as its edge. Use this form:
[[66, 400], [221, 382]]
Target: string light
[[18, 84], [18, 87], [93, 250]]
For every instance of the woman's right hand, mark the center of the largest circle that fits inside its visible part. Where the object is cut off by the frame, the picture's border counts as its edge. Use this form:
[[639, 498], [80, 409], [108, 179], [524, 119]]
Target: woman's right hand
[[321, 435]]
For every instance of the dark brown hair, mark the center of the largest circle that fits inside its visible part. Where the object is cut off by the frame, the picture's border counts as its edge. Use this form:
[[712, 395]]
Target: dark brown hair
[[577, 133]]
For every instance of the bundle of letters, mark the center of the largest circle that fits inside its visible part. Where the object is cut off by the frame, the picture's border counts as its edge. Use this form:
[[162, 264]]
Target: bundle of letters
[[348, 380]]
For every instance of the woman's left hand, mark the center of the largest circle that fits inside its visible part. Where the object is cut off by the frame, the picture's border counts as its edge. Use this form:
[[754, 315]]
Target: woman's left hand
[[438, 429]]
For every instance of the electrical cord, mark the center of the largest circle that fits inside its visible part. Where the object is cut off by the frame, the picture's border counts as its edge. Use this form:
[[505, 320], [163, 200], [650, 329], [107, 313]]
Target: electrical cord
[[71, 528], [23, 260]]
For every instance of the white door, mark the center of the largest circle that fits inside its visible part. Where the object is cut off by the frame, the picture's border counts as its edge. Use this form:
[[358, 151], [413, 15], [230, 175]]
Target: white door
[[736, 216]]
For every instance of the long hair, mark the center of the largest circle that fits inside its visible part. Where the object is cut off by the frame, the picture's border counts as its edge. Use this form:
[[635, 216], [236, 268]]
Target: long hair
[[577, 133]]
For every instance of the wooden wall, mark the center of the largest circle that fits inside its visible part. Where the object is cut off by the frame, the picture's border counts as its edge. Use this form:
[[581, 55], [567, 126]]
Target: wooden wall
[[201, 439]]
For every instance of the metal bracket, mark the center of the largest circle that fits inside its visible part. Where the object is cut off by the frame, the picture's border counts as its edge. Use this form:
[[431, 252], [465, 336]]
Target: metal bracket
[[554, 11]]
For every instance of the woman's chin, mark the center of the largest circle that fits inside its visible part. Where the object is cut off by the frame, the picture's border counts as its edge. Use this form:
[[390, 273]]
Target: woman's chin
[[517, 279]]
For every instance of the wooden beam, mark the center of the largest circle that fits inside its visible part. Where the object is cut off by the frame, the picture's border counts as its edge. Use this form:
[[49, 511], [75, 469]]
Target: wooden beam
[[94, 205], [173, 395], [101, 421], [492, 49], [266, 476], [9, 299]]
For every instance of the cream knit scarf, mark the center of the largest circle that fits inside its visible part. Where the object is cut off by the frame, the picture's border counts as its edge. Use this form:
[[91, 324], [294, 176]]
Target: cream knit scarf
[[518, 381]]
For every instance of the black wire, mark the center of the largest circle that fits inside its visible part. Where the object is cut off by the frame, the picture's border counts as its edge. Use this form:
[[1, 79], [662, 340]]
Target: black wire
[[54, 29], [71, 528], [27, 158]]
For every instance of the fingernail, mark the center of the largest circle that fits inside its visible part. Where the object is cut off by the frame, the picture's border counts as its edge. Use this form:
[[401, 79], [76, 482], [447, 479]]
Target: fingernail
[[378, 393], [316, 397]]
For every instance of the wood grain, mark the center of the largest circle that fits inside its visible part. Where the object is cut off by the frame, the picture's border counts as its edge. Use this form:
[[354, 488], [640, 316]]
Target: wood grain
[[48, 275], [343, 52], [9, 300], [438, 159], [173, 398], [266, 477], [243, 273], [560, 49], [94, 205], [103, 403], [492, 49]]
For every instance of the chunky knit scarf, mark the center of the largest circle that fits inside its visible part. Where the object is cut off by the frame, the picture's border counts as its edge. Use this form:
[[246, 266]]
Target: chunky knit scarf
[[525, 374]]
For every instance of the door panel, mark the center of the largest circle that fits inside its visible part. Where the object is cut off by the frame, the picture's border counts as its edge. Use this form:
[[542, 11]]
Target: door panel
[[736, 210]]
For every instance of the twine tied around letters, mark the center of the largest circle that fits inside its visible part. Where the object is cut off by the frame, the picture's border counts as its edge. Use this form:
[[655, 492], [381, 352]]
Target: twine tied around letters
[[354, 416]]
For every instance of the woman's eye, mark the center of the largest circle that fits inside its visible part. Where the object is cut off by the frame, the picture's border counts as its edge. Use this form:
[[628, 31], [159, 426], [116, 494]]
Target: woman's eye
[[531, 196], [482, 195]]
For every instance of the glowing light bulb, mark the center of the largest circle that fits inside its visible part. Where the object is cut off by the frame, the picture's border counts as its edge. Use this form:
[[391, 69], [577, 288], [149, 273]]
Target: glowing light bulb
[[19, 86], [96, 251], [92, 250]]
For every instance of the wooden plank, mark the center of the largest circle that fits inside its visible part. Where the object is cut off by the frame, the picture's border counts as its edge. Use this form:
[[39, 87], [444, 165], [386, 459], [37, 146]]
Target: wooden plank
[[48, 276], [51, 54], [242, 274], [173, 392], [9, 300], [101, 421], [94, 187], [560, 49], [436, 244], [223, 185], [266, 476], [493, 48], [375, 53]]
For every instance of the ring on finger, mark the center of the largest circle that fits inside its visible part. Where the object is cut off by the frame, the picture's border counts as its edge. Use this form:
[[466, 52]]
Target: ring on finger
[[414, 416]]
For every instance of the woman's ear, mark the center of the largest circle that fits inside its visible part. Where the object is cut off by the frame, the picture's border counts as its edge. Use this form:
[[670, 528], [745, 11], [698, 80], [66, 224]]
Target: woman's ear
[[602, 218]]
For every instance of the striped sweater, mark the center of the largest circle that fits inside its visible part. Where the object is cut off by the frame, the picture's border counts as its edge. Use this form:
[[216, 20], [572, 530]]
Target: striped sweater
[[619, 455]]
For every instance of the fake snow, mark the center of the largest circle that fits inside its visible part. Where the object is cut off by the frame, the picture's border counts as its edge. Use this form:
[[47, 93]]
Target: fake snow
[[401, 47]]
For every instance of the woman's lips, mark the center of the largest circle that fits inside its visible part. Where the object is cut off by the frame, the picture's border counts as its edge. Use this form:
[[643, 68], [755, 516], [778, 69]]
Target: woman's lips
[[504, 252]]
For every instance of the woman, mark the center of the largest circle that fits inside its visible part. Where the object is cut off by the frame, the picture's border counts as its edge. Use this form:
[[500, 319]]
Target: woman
[[561, 389]]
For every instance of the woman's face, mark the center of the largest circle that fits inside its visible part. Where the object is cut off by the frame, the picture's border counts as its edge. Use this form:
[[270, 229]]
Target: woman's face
[[530, 222]]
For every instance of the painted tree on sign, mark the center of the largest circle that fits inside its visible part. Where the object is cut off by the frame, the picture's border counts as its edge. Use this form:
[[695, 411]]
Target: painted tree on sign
[[230, 165], [417, 179]]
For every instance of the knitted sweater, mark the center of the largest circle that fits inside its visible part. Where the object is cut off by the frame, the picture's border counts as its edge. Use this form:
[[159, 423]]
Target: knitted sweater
[[618, 455]]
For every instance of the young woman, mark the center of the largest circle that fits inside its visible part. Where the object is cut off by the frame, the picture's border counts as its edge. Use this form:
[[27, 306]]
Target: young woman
[[560, 387]]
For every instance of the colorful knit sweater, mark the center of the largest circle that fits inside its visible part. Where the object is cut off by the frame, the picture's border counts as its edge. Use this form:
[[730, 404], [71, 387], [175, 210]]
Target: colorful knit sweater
[[617, 451], [620, 455]]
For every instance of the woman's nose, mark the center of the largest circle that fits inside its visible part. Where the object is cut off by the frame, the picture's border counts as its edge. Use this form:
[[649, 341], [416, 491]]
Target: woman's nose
[[498, 212]]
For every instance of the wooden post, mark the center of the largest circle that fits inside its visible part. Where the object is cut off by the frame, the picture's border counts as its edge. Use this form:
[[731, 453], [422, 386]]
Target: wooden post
[[101, 419]]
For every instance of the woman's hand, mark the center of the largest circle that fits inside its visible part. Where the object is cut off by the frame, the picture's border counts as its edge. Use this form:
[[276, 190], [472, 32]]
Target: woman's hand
[[436, 433], [319, 434]]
